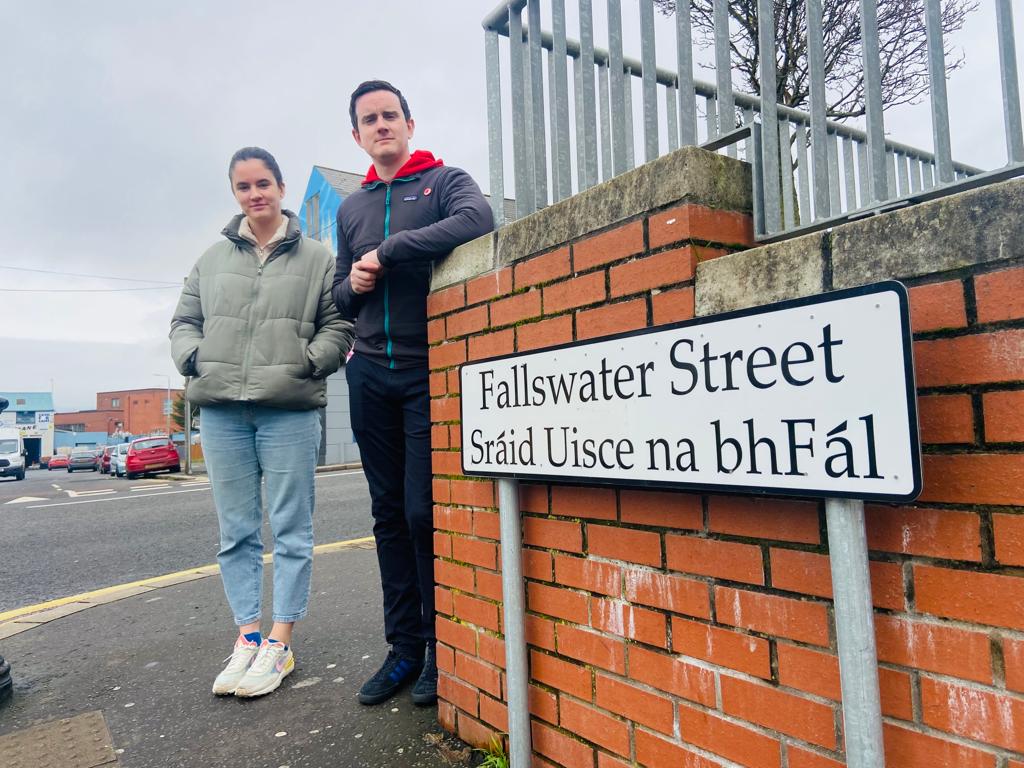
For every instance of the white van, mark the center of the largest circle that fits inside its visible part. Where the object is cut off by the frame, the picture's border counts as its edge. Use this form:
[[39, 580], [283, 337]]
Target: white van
[[12, 454]]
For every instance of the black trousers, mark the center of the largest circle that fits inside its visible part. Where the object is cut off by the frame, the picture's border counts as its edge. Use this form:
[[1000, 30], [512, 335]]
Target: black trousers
[[391, 421]]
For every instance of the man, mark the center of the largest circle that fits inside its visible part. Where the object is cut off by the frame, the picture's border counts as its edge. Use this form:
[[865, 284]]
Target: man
[[411, 211]]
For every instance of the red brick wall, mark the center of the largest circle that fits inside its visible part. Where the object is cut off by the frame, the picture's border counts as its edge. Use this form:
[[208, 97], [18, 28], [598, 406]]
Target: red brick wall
[[143, 409], [94, 421], [677, 629]]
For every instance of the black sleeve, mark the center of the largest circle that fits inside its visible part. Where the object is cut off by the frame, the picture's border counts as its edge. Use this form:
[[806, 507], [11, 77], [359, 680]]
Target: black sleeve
[[347, 300], [466, 216]]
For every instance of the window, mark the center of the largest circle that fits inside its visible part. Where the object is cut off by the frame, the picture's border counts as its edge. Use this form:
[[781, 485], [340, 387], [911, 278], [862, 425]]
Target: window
[[313, 216], [115, 402], [142, 445], [25, 417]]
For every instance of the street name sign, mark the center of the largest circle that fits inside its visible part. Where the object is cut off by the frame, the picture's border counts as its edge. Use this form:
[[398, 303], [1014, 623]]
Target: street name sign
[[807, 397]]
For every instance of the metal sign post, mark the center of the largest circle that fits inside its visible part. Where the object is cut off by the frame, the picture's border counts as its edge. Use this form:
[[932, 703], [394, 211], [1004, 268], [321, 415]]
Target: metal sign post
[[855, 633]]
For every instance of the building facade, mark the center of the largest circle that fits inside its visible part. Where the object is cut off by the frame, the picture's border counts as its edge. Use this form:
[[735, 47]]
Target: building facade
[[326, 189], [32, 414], [126, 411]]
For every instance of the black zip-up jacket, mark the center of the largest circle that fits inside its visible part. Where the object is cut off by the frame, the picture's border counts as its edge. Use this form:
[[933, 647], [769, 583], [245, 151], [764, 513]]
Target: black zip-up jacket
[[426, 211]]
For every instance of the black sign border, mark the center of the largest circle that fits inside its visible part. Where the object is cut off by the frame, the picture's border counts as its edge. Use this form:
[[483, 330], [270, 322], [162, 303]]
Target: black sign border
[[910, 392]]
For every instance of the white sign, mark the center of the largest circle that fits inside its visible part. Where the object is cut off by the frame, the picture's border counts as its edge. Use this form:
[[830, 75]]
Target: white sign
[[810, 397]]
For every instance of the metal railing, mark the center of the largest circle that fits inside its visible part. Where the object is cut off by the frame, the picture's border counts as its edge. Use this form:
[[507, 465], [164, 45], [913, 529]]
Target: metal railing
[[809, 171]]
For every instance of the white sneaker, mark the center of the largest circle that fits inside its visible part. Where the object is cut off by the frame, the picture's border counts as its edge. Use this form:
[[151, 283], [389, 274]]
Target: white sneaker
[[238, 662], [273, 663]]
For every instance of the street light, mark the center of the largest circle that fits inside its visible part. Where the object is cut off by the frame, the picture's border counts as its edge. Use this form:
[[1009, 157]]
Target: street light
[[167, 402]]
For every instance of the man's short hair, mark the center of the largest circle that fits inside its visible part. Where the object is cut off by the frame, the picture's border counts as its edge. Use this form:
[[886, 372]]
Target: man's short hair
[[376, 85]]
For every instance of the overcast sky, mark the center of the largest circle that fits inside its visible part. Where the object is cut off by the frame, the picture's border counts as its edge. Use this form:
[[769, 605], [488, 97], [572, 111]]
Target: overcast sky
[[118, 117]]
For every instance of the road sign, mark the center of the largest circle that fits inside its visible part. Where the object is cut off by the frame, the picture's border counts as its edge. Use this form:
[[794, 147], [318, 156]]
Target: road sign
[[808, 397]]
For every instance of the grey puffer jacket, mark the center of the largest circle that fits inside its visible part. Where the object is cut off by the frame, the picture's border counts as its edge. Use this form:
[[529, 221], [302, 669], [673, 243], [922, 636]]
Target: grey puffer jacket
[[268, 334]]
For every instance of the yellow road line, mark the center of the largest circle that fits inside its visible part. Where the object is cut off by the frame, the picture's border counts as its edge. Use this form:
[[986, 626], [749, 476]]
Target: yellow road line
[[156, 582]]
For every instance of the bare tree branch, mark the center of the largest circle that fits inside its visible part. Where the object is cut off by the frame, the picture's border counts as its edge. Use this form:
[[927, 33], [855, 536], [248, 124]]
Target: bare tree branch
[[901, 36]]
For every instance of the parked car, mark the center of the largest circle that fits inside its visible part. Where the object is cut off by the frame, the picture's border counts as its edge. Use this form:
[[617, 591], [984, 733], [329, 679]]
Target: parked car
[[58, 461], [12, 453], [105, 467], [151, 454], [117, 458], [84, 458]]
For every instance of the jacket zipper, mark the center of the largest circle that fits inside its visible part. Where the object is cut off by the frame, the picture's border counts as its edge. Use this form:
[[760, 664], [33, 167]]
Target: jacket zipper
[[248, 332], [248, 325], [387, 292]]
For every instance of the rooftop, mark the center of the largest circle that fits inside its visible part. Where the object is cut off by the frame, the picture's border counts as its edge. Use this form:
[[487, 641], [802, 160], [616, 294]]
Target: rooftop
[[28, 401]]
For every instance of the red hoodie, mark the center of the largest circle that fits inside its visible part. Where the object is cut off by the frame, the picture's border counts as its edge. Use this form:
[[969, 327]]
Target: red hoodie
[[419, 161]]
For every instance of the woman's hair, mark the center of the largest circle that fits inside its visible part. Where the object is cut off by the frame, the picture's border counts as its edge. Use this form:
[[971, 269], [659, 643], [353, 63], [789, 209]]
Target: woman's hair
[[256, 153]]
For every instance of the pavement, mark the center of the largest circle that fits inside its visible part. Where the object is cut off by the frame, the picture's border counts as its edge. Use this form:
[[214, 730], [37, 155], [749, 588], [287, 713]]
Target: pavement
[[122, 676]]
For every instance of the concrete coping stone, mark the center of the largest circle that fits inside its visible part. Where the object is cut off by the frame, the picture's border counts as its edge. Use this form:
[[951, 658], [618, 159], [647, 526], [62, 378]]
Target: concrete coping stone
[[688, 175]]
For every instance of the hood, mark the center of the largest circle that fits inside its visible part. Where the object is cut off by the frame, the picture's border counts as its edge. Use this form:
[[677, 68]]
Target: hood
[[419, 161]]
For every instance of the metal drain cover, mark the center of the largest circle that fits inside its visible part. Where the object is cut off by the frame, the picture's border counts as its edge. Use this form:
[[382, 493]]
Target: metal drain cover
[[76, 742]]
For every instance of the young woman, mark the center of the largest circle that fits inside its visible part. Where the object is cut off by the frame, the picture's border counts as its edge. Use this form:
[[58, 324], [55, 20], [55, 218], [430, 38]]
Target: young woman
[[257, 331]]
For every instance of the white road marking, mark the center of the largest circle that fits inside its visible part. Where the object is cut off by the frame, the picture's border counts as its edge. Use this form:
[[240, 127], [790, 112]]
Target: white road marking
[[25, 499], [161, 493], [149, 487], [97, 492], [116, 498]]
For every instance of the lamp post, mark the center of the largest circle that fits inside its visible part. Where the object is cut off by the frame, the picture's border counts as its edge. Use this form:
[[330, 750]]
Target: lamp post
[[167, 402]]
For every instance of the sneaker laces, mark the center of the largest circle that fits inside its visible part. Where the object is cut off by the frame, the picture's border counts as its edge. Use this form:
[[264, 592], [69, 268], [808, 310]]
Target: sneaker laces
[[239, 658], [267, 657]]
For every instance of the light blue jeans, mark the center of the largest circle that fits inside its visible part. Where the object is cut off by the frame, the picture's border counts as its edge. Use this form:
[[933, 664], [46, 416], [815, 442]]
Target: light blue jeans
[[242, 444]]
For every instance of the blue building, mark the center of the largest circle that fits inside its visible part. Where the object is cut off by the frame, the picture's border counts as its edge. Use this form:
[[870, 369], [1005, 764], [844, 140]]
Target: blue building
[[326, 189], [32, 414]]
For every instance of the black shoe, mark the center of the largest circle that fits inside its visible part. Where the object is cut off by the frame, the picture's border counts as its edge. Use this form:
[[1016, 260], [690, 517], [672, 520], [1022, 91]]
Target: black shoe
[[6, 686], [395, 672], [425, 690]]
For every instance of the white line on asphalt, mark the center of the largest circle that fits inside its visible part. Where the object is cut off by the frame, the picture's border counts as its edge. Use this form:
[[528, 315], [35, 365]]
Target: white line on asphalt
[[114, 498], [25, 500], [162, 493], [97, 492], [149, 487]]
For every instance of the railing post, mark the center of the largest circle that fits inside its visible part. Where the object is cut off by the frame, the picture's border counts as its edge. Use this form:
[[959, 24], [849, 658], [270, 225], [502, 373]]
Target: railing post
[[819, 129], [878, 186], [560, 102], [937, 78], [684, 61], [540, 157], [769, 114], [617, 86], [589, 101], [495, 158], [523, 169], [649, 80], [1011, 86], [723, 72]]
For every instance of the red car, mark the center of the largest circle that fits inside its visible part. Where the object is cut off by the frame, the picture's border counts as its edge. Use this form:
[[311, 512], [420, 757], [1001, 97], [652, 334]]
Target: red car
[[105, 461], [151, 454], [57, 461]]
